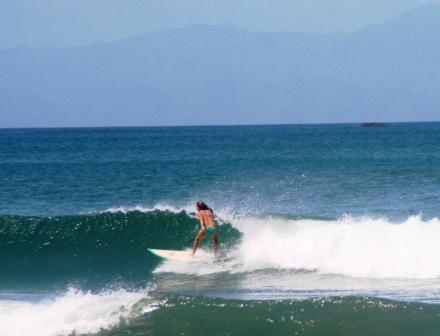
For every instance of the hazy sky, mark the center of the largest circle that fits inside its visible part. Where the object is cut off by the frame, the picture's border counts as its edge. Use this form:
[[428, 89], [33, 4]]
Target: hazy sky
[[79, 22]]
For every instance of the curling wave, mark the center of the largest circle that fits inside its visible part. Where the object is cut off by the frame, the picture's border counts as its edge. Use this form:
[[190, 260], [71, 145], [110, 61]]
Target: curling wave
[[92, 249]]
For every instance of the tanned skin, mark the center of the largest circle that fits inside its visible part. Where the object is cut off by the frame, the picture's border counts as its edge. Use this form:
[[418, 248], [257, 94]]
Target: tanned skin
[[206, 218]]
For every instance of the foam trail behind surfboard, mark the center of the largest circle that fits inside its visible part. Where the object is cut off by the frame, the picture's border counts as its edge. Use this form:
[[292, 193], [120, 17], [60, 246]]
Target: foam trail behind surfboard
[[172, 254], [181, 255]]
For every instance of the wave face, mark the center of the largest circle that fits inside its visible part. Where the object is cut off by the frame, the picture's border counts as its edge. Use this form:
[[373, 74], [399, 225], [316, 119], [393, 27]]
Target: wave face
[[92, 249]]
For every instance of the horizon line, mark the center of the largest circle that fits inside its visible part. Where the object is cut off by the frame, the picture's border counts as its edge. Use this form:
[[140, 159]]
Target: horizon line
[[220, 125]]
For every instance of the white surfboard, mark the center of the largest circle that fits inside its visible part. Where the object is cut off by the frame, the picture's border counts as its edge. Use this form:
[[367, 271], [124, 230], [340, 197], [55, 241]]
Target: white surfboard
[[172, 254]]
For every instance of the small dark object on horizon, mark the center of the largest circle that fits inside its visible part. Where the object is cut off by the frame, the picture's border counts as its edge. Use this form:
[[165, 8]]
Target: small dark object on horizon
[[373, 124]]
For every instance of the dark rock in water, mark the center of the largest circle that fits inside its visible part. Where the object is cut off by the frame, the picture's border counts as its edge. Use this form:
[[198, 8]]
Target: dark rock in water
[[373, 124]]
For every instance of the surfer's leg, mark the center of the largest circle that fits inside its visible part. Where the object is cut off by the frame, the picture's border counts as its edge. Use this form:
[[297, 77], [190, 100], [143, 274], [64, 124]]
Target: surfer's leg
[[215, 241], [199, 237]]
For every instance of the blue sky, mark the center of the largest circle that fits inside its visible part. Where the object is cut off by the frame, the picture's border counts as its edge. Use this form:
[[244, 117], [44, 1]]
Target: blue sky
[[79, 22], [199, 76]]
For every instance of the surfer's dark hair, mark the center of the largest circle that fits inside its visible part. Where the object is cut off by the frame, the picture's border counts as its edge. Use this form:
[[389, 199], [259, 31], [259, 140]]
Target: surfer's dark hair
[[202, 206]]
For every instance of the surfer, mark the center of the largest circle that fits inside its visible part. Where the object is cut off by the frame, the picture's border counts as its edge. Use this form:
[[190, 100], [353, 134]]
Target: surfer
[[207, 225]]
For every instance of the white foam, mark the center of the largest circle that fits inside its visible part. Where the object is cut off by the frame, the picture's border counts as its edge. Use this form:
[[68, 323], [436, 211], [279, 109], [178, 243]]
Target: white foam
[[363, 247], [355, 247], [73, 311], [201, 264], [125, 209], [160, 206]]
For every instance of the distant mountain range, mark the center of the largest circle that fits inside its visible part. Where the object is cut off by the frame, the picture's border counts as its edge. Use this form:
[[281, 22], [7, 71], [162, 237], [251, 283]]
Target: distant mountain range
[[227, 75]]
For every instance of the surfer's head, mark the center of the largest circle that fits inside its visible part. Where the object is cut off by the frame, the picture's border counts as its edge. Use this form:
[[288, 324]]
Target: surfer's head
[[202, 206]]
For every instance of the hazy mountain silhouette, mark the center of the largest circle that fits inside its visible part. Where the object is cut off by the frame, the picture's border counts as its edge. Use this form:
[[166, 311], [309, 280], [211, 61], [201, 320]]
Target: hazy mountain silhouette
[[224, 75]]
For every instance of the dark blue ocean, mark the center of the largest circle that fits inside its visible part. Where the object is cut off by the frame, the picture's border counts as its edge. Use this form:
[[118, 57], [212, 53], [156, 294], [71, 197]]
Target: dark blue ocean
[[325, 229]]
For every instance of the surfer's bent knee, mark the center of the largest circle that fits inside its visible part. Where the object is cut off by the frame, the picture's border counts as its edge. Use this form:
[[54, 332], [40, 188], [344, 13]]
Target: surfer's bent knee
[[200, 235]]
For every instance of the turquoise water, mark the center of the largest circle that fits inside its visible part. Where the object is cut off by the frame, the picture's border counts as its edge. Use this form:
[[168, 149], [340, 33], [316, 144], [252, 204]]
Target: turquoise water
[[339, 215]]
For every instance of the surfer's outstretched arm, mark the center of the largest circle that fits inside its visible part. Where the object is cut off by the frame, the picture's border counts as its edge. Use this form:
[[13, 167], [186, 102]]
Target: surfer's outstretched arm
[[199, 237]]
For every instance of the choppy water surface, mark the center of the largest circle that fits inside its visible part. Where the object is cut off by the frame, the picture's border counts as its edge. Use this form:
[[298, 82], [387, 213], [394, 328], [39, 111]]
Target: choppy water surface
[[329, 229]]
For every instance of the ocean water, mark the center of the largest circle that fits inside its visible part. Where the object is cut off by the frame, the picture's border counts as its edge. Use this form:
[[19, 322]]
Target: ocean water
[[325, 230]]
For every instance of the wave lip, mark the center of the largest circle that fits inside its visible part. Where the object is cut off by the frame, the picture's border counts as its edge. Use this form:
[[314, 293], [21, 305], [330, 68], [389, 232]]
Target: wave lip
[[158, 207]]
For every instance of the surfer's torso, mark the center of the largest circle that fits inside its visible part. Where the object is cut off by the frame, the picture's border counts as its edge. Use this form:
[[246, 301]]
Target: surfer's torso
[[207, 226]]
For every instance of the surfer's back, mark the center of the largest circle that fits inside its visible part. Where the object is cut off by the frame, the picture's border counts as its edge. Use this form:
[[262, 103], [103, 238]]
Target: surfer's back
[[207, 217]]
